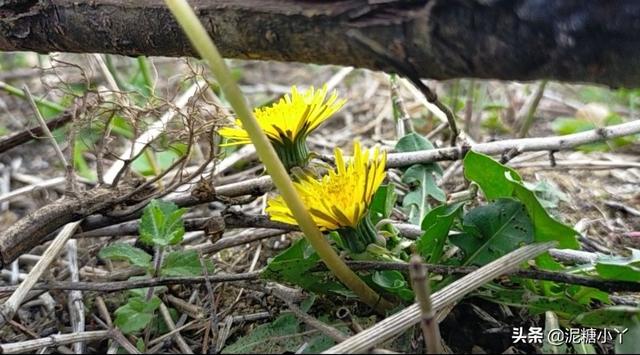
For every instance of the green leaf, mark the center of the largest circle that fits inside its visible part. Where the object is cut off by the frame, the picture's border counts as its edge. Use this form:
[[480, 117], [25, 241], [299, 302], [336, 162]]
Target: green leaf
[[136, 314], [493, 230], [124, 251], [536, 304], [183, 263], [162, 224], [620, 268], [142, 292], [294, 266], [618, 272], [497, 180], [158, 324], [489, 175], [608, 316], [163, 160], [425, 176], [318, 344], [382, 203], [139, 345], [569, 125], [80, 163], [284, 335], [121, 126], [412, 142], [420, 177], [436, 225], [547, 193], [393, 282]]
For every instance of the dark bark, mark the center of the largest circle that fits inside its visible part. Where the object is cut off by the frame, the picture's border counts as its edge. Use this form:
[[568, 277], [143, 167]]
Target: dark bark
[[16, 139], [568, 40], [32, 229]]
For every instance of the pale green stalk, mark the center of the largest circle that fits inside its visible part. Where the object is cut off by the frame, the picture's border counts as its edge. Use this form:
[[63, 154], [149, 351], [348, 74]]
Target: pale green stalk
[[19, 93], [208, 51], [147, 73]]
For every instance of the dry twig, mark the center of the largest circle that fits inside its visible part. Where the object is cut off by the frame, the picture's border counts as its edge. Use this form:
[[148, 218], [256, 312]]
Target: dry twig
[[408, 317], [8, 309], [422, 290]]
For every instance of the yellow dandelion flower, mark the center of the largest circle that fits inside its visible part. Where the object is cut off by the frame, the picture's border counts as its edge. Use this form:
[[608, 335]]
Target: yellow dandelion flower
[[339, 200], [289, 121]]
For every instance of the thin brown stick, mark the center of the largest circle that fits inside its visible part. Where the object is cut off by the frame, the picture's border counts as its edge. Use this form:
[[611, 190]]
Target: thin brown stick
[[164, 311], [229, 220], [407, 70], [322, 327], [428, 323], [8, 309], [114, 286], [526, 118], [193, 311], [119, 338], [44, 127], [604, 285], [103, 310], [16, 139], [408, 317], [157, 343], [263, 184]]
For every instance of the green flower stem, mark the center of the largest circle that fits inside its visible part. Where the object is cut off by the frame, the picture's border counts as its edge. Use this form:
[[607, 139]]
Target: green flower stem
[[147, 74], [207, 50], [12, 90], [123, 85]]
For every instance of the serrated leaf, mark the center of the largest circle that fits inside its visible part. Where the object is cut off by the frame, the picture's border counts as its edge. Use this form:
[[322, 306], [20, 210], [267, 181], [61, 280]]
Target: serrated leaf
[[161, 224], [497, 180], [136, 314], [493, 230], [124, 251], [536, 304], [608, 316], [183, 263], [285, 334], [420, 177], [425, 175], [276, 337], [436, 225]]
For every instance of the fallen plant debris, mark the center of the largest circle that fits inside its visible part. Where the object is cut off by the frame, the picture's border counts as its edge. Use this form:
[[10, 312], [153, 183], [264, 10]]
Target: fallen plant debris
[[146, 221]]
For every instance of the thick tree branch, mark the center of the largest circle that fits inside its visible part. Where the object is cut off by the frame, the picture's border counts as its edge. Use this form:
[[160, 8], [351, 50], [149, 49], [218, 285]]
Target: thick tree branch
[[571, 40]]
